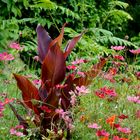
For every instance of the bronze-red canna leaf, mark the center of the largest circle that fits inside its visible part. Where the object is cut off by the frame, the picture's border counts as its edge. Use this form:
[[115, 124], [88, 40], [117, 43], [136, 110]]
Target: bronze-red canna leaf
[[53, 67], [89, 75], [43, 42], [29, 92], [96, 69], [58, 40], [71, 44]]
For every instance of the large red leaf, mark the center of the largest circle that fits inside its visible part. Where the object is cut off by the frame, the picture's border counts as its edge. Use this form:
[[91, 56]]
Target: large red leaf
[[89, 75], [71, 44], [53, 67], [43, 42], [58, 40], [97, 68], [29, 92]]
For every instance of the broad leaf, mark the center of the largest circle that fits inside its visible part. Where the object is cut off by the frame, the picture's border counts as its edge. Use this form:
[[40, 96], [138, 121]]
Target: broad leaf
[[29, 92], [53, 67], [97, 68], [43, 42], [58, 40], [71, 44]]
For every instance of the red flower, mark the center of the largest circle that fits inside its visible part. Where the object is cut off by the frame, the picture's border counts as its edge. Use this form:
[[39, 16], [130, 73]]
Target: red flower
[[105, 91], [122, 116], [71, 67], [46, 109], [112, 71], [6, 56], [119, 57], [7, 100], [102, 133], [99, 94], [116, 125]]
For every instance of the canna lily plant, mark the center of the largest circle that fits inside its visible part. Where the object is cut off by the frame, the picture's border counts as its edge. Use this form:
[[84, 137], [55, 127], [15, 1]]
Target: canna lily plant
[[56, 84]]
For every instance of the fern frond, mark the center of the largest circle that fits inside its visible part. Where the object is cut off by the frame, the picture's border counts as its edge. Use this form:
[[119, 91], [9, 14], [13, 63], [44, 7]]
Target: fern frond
[[119, 3], [115, 41], [120, 13], [45, 4]]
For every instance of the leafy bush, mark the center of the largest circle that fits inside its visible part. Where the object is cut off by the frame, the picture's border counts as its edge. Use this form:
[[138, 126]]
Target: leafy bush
[[52, 100]]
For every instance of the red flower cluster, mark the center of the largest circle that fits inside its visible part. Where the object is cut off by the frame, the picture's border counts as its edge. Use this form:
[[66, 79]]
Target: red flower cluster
[[105, 92]]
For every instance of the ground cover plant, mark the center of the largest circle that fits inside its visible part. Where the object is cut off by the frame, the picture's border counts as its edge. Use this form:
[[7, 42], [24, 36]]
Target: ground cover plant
[[66, 101]]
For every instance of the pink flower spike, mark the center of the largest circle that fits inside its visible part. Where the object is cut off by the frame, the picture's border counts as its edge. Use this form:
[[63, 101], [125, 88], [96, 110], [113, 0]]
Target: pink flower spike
[[124, 130], [135, 51], [94, 126], [117, 48], [15, 45], [6, 56]]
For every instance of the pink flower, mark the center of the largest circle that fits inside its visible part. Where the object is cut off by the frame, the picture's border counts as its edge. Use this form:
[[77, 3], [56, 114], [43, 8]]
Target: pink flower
[[73, 100], [15, 45], [94, 126], [13, 131], [61, 86], [134, 99], [135, 51], [82, 90], [119, 57], [37, 82], [1, 108], [124, 130], [36, 58], [118, 48], [81, 73], [102, 133], [59, 111], [79, 61], [6, 56]]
